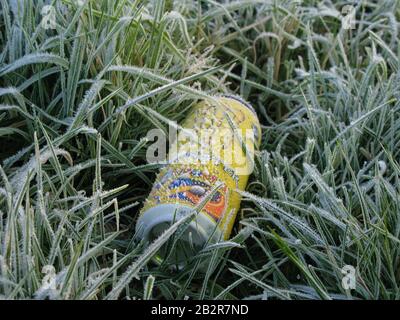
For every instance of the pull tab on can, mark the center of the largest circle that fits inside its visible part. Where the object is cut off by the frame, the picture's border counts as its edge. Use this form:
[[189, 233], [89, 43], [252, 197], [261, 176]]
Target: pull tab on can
[[210, 160]]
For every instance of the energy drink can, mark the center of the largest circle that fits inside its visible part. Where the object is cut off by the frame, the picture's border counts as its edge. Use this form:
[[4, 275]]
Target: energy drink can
[[210, 159]]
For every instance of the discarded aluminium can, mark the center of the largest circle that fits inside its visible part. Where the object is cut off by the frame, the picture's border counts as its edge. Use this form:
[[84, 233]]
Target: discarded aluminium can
[[210, 159]]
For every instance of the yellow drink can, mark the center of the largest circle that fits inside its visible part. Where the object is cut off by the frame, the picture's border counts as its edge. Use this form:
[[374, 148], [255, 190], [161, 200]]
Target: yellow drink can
[[209, 161]]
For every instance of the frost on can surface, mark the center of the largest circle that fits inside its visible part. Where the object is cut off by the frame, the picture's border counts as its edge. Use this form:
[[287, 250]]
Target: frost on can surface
[[211, 158]]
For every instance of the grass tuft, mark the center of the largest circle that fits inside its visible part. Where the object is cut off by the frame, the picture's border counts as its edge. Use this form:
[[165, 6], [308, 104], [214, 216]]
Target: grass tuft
[[76, 103]]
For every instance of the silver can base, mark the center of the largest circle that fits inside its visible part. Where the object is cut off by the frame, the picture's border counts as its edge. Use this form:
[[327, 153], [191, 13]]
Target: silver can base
[[156, 220]]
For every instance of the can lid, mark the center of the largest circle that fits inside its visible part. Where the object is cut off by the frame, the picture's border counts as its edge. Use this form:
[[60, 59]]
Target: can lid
[[156, 220], [241, 100]]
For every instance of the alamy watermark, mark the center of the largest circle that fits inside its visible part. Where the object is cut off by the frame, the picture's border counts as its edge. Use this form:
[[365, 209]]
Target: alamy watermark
[[349, 277], [348, 17], [49, 19], [232, 148]]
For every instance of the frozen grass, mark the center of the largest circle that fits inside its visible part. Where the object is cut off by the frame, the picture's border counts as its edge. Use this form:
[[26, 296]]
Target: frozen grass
[[76, 104]]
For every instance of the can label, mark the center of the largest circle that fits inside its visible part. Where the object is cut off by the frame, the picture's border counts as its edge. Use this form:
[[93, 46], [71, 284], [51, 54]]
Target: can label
[[215, 147]]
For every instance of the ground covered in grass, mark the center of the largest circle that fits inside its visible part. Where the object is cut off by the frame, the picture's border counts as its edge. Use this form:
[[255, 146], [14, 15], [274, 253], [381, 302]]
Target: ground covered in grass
[[77, 101]]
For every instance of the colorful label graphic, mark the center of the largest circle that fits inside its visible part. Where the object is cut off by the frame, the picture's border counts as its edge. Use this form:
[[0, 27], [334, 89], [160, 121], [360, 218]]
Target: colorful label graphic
[[221, 157], [190, 186]]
